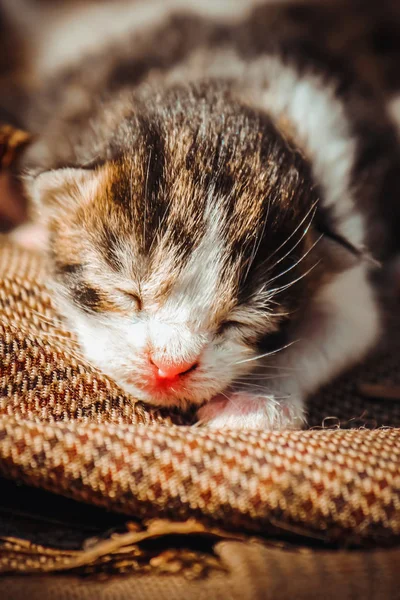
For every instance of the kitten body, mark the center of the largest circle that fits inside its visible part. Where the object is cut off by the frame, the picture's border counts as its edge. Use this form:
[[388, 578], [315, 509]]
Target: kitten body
[[215, 191]]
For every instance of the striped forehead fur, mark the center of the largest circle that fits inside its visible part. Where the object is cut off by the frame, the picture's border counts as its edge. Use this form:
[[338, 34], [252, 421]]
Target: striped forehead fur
[[204, 181]]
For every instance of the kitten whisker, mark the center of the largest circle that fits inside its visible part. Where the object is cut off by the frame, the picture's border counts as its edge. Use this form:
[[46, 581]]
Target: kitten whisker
[[242, 385], [231, 401], [277, 367], [296, 263], [312, 210], [262, 380], [246, 360], [257, 243], [131, 184], [278, 290], [146, 185]]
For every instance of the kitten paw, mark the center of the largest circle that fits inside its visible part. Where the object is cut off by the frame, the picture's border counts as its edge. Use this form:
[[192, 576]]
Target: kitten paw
[[245, 411]]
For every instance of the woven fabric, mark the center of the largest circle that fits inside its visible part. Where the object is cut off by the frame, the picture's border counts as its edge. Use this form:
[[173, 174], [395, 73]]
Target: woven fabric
[[69, 429]]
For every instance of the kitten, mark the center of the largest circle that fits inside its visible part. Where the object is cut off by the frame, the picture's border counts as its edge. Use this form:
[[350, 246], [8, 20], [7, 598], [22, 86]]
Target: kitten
[[213, 191]]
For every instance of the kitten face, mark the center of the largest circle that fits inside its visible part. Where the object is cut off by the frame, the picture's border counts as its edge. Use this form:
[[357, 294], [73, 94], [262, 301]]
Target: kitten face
[[181, 258]]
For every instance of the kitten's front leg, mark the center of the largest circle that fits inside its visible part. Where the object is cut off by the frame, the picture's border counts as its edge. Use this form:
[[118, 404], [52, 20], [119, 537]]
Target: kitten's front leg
[[243, 410]]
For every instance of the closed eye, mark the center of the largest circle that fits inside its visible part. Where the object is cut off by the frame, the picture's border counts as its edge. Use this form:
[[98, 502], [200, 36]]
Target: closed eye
[[134, 298], [228, 324]]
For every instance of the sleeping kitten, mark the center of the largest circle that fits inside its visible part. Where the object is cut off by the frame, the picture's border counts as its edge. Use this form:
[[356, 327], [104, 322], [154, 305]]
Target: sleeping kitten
[[214, 191]]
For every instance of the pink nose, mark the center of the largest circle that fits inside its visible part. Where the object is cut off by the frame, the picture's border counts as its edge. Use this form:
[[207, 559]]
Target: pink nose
[[170, 370]]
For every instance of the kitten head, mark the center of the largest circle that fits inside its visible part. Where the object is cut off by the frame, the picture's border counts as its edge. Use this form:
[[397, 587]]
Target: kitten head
[[188, 249]]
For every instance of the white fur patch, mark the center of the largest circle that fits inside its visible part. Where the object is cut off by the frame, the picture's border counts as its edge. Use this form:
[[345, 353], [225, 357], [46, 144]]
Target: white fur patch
[[200, 282], [59, 36], [320, 120]]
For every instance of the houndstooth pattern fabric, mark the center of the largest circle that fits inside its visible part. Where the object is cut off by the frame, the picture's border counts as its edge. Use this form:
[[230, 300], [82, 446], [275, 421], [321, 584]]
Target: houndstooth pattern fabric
[[69, 429]]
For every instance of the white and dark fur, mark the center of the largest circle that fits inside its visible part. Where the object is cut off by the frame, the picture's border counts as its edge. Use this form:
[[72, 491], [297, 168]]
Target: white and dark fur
[[217, 191]]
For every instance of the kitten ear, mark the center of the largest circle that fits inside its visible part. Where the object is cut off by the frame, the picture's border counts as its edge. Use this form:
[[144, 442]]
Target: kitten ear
[[60, 189]]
